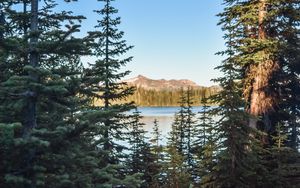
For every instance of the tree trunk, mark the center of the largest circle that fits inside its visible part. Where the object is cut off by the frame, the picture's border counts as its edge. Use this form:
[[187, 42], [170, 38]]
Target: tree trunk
[[262, 99], [30, 112], [30, 119], [107, 123]]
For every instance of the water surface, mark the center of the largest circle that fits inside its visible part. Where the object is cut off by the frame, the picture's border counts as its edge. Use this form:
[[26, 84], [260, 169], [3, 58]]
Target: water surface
[[165, 117]]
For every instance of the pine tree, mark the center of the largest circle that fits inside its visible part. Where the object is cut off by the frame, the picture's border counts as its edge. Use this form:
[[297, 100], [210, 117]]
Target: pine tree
[[174, 167], [155, 141], [282, 162], [189, 127], [180, 122], [137, 143], [287, 34], [265, 42], [41, 92], [203, 130], [232, 167], [183, 126], [204, 143], [256, 61], [107, 113], [141, 159], [103, 82], [157, 150]]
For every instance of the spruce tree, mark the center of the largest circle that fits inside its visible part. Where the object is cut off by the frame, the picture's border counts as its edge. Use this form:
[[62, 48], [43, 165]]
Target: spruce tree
[[41, 101], [157, 150], [287, 33], [182, 130], [141, 159], [137, 143], [204, 142], [174, 168], [103, 84], [265, 43], [203, 130], [232, 167], [180, 122], [107, 113], [189, 127], [256, 61], [155, 141]]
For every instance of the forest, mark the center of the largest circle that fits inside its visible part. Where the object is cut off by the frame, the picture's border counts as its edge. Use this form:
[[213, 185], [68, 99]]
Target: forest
[[162, 98], [53, 133]]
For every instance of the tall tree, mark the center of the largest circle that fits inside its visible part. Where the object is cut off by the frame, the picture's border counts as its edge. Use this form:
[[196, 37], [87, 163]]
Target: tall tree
[[157, 150], [155, 141], [262, 46], [232, 167], [204, 143], [256, 60], [263, 97], [141, 159], [174, 168], [188, 131], [289, 60], [40, 92], [137, 143], [103, 80]]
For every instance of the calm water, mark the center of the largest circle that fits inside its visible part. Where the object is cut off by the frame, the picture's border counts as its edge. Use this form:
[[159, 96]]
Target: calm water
[[165, 117]]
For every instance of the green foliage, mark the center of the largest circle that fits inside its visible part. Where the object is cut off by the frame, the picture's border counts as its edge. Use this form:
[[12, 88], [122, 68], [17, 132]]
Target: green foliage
[[145, 97], [251, 84], [232, 168], [174, 167], [142, 160], [53, 133], [179, 160], [48, 129], [101, 81], [157, 151], [204, 146]]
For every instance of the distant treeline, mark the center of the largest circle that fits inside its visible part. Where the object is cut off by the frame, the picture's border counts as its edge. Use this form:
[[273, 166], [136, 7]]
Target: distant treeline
[[145, 97]]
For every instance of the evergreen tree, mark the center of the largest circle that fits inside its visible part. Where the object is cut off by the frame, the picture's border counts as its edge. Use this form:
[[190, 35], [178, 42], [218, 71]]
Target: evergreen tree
[[282, 162], [155, 141], [254, 61], [142, 160], [157, 150], [204, 143], [137, 143], [43, 85], [286, 32], [30, 84], [180, 123], [183, 126], [103, 82], [264, 42], [174, 167], [168, 97], [234, 166], [203, 130], [189, 127]]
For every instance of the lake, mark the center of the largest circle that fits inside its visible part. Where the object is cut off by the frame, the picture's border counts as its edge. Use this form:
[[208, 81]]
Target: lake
[[165, 117]]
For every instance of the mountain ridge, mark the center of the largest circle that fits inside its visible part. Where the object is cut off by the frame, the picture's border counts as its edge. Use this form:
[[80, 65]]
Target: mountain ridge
[[163, 84]]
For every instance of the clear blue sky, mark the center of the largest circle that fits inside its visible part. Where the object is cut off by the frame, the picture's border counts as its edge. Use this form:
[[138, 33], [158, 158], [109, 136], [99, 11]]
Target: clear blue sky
[[173, 39]]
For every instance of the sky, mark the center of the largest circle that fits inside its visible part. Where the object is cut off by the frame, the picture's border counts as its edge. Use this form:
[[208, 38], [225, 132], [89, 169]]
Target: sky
[[172, 39]]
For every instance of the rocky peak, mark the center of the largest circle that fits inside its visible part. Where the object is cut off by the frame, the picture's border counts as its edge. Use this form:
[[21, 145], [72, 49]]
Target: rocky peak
[[161, 84]]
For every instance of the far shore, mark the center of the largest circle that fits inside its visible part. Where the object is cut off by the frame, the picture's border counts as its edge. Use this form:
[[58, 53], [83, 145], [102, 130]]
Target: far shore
[[214, 105]]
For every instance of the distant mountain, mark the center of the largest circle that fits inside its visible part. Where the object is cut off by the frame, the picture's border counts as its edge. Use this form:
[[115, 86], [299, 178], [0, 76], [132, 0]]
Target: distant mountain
[[163, 92], [150, 84]]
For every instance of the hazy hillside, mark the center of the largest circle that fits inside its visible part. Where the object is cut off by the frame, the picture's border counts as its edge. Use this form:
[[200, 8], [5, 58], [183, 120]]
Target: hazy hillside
[[162, 84], [150, 92]]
